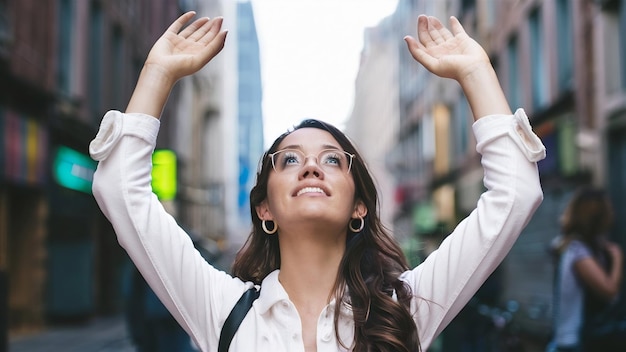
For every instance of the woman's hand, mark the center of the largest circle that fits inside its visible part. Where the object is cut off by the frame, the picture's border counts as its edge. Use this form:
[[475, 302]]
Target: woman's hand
[[176, 54], [181, 53], [447, 54], [615, 252], [453, 54]]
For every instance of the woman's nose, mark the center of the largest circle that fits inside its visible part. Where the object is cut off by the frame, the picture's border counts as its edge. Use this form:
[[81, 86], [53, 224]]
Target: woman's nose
[[311, 169]]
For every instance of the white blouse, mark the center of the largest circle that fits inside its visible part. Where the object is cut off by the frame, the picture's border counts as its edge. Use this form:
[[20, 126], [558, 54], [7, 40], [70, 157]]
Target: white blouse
[[200, 297]]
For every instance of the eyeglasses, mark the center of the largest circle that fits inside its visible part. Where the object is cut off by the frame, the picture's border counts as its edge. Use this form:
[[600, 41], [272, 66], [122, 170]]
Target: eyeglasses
[[330, 160]]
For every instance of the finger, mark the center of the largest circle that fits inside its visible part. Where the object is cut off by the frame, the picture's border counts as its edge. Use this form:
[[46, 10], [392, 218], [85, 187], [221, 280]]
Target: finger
[[456, 26], [180, 22], [419, 53], [200, 30], [213, 29], [189, 31], [214, 46], [422, 31], [442, 31], [435, 29]]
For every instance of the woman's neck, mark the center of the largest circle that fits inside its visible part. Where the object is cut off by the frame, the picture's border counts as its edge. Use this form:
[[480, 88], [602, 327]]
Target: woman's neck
[[309, 266]]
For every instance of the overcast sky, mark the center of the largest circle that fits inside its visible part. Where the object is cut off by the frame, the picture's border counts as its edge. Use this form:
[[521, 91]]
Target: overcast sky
[[310, 57]]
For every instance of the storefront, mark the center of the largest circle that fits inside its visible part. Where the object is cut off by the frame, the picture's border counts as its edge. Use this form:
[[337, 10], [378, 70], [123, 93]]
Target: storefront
[[23, 216]]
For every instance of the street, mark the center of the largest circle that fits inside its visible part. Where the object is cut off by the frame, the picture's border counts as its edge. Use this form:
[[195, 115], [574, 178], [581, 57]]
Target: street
[[99, 335]]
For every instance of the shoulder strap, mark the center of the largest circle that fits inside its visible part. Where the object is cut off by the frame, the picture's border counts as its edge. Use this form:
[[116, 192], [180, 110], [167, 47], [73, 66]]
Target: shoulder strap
[[235, 318]]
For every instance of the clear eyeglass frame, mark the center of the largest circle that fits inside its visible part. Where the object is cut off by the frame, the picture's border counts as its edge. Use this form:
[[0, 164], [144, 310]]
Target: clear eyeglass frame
[[322, 156]]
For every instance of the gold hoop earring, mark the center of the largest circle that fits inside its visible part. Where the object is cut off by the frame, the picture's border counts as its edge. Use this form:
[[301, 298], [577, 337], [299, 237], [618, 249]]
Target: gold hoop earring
[[361, 225], [264, 226]]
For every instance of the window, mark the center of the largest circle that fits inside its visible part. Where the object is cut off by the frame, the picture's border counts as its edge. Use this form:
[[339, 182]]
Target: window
[[622, 41], [64, 78], [539, 91], [514, 91], [118, 68], [459, 129], [94, 70], [615, 47], [5, 28], [565, 51]]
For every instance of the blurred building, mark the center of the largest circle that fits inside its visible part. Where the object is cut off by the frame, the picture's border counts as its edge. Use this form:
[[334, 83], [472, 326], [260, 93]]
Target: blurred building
[[63, 64], [218, 134], [372, 125], [563, 61]]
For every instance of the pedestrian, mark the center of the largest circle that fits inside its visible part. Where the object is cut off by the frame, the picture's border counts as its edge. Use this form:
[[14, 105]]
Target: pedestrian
[[331, 277], [588, 275]]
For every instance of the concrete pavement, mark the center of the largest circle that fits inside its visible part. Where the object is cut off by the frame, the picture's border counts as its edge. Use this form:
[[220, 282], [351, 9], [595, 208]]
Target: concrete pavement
[[99, 335]]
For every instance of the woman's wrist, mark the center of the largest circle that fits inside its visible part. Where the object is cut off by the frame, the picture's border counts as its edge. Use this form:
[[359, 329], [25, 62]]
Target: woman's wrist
[[482, 89], [151, 92]]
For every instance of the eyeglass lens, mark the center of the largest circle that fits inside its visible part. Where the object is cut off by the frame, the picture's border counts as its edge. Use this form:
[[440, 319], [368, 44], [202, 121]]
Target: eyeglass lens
[[328, 159]]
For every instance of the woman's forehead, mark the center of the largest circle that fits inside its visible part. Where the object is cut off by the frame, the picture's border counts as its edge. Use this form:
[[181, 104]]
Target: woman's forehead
[[309, 138]]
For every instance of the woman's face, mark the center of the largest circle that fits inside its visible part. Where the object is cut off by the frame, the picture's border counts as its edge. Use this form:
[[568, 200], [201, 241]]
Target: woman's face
[[310, 182]]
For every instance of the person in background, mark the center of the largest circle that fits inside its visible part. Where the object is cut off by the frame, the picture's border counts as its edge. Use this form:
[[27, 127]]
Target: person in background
[[588, 273], [331, 277]]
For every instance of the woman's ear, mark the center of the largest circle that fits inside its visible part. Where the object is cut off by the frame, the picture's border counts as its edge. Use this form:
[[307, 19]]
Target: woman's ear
[[263, 211], [360, 210]]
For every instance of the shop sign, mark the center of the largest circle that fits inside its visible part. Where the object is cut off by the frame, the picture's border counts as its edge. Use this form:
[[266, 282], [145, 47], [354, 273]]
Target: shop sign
[[23, 149], [73, 170], [164, 174]]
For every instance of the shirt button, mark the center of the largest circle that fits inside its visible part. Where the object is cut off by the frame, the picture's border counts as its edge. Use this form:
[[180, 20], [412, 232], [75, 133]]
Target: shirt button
[[294, 336], [326, 337]]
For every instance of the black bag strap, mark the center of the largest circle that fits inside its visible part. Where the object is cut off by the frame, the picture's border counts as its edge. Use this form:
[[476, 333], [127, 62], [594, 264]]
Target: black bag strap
[[235, 318]]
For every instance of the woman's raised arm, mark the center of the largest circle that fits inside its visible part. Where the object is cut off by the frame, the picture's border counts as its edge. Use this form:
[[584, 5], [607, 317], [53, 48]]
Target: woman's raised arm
[[177, 53], [453, 54]]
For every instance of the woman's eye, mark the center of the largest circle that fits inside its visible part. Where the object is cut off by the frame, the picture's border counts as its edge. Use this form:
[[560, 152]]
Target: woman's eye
[[332, 159], [291, 159]]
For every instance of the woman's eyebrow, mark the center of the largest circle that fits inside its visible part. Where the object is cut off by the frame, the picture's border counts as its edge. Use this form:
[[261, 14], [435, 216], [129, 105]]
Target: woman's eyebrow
[[301, 147], [293, 146], [330, 146]]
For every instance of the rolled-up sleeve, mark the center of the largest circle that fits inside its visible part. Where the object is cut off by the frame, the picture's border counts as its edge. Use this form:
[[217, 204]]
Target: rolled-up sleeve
[[193, 291], [451, 275]]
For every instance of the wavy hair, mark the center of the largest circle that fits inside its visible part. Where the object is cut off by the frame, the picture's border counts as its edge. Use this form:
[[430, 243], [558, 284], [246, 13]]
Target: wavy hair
[[370, 268]]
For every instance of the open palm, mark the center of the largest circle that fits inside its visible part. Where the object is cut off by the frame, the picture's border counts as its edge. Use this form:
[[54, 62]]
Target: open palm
[[180, 53], [450, 54]]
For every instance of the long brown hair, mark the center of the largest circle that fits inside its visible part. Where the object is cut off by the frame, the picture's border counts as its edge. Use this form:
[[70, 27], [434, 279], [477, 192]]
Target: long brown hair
[[370, 268], [588, 215]]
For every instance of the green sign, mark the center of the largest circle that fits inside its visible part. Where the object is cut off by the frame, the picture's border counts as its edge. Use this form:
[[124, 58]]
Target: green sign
[[164, 174], [73, 170]]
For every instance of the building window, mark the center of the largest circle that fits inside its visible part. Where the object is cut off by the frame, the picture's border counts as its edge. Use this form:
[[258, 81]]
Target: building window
[[459, 129], [622, 41], [95, 61], [565, 51], [615, 47], [5, 28], [514, 91], [539, 91], [118, 68], [64, 78]]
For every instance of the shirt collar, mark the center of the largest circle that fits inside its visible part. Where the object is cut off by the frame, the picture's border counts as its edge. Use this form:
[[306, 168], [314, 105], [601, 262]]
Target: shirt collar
[[272, 292]]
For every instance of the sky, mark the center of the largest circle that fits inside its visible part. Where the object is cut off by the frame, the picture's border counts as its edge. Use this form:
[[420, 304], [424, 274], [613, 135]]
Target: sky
[[310, 53]]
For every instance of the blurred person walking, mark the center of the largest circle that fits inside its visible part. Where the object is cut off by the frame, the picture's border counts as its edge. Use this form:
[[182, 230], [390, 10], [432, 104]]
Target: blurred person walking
[[588, 275]]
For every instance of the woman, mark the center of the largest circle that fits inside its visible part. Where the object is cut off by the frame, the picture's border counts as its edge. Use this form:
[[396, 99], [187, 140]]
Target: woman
[[331, 277], [588, 273]]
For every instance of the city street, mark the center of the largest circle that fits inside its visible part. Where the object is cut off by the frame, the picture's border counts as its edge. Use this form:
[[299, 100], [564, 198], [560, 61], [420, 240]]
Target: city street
[[99, 335]]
